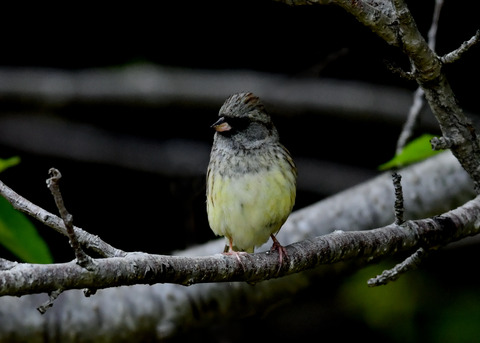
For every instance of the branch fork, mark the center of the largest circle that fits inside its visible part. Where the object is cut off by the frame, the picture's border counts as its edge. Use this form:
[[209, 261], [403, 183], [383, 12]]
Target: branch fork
[[414, 260]]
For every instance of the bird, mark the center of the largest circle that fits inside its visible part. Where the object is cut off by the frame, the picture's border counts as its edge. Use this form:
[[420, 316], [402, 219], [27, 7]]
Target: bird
[[251, 177]]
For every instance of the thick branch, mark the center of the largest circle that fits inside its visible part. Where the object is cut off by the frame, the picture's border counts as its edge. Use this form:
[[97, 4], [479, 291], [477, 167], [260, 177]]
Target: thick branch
[[429, 75], [418, 98], [149, 85], [140, 268], [393, 22], [443, 186], [430, 187]]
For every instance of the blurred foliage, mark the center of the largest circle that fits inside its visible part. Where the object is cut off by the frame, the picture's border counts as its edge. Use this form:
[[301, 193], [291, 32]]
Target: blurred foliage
[[458, 319], [17, 233], [9, 162], [417, 150], [419, 306], [390, 309]]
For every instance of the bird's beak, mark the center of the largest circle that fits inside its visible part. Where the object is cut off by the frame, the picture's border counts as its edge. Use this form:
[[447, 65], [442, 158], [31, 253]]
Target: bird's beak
[[221, 125]]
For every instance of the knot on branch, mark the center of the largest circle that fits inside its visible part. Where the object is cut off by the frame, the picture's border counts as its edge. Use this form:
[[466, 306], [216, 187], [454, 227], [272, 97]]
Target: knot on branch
[[442, 143], [52, 296], [394, 69]]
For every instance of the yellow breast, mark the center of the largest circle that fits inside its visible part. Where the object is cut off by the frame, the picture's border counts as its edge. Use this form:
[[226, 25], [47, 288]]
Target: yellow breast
[[250, 207]]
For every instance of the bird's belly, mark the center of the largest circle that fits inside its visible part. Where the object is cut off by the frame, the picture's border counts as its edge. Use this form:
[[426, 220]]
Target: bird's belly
[[250, 207]]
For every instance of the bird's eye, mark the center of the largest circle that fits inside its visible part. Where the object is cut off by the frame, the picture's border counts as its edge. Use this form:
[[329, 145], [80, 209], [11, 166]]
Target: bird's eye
[[238, 124]]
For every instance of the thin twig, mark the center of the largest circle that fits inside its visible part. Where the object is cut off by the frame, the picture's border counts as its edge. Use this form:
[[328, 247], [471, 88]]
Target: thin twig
[[52, 183], [432, 32], [399, 209], [410, 263], [412, 120], [88, 240], [456, 54], [394, 69], [52, 296]]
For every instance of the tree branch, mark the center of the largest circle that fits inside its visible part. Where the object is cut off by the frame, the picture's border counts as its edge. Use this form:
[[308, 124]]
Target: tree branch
[[162, 310], [140, 268], [89, 241], [443, 185], [410, 263], [52, 184], [457, 54], [393, 22], [418, 97], [398, 206], [412, 120], [430, 76], [149, 85]]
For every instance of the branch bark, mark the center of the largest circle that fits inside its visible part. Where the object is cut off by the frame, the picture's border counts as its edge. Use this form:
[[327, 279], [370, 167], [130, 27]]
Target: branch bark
[[393, 22], [427, 68], [339, 246], [52, 184], [89, 241], [134, 268]]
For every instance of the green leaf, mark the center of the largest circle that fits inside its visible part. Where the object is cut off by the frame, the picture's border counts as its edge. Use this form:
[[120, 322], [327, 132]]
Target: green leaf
[[17, 233], [19, 236], [9, 162], [417, 150]]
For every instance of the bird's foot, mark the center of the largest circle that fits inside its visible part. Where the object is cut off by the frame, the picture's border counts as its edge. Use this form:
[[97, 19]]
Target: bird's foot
[[237, 254], [282, 252]]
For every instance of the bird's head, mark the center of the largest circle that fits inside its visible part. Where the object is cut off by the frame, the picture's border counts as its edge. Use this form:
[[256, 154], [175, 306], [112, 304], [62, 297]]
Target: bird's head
[[244, 113]]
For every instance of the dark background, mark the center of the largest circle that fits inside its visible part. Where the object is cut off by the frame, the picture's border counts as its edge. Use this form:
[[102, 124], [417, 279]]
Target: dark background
[[136, 210], [305, 42]]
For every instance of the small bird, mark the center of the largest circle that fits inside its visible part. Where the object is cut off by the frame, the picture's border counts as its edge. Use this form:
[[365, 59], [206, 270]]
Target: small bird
[[251, 177]]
